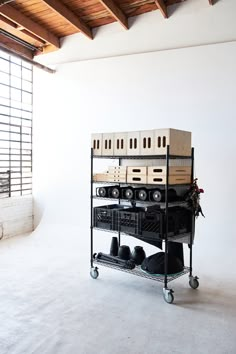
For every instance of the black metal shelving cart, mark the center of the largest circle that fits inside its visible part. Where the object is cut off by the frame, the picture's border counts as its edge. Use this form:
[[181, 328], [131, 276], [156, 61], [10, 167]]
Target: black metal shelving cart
[[185, 237]]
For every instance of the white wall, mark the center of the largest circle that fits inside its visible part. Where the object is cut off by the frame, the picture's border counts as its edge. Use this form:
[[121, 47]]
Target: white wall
[[16, 216], [191, 89]]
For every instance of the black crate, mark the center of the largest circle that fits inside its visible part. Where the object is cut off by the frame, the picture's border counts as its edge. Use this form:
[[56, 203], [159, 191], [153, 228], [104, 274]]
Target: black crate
[[129, 220], [152, 223], [105, 217], [180, 220]]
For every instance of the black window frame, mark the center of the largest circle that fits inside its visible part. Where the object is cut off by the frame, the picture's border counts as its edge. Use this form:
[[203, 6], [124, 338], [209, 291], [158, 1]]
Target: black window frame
[[16, 113]]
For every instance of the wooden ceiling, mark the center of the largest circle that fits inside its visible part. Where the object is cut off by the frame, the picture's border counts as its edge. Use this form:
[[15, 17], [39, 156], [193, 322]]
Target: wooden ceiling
[[33, 27]]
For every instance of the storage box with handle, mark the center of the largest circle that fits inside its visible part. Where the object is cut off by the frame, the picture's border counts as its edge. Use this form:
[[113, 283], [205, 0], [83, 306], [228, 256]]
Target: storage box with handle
[[147, 142], [173, 170], [107, 144], [96, 144], [133, 143], [178, 140], [161, 179], [120, 144]]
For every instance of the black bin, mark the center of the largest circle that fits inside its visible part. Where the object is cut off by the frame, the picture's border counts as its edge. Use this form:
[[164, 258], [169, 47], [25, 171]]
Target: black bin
[[105, 217], [152, 223], [180, 220], [129, 220]]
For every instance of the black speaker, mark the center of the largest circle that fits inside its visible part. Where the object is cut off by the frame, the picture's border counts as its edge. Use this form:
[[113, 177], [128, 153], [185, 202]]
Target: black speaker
[[102, 192], [108, 192], [155, 195], [159, 195], [127, 193], [114, 192], [141, 194]]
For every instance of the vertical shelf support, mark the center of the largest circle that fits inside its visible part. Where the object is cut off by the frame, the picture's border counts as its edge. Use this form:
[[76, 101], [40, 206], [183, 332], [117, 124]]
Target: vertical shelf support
[[91, 209], [166, 215], [193, 220], [119, 203]]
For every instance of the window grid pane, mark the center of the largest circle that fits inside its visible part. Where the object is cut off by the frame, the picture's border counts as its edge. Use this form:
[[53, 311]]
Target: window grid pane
[[16, 92]]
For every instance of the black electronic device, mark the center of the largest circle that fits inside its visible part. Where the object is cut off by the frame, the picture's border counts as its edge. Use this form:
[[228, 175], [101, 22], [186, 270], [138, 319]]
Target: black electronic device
[[141, 194], [159, 195], [127, 193]]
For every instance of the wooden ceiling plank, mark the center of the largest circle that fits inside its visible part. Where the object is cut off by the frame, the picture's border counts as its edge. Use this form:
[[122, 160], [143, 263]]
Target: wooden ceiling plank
[[8, 22], [68, 15], [22, 34], [116, 12], [21, 20], [15, 48], [33, 36], [22, 29], [162, 7], [46, 49]]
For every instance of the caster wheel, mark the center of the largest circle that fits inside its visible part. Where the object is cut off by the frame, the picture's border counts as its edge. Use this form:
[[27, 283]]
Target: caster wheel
[[94, 273], [193, 282], [168, 296]]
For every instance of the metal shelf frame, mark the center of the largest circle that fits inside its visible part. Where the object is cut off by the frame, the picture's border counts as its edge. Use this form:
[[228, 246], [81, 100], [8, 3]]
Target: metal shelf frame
[[141, 184], [161, 204], [165, 278]]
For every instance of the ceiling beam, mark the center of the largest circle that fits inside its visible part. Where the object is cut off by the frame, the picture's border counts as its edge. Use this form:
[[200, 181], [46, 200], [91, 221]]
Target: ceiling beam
[[8, 25], [23, 21], [116, 12], [14, 47], [69, 16], [162, 7]]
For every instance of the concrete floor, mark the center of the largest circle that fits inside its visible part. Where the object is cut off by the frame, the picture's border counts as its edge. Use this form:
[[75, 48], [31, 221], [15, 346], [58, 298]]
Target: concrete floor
[[50, 305]]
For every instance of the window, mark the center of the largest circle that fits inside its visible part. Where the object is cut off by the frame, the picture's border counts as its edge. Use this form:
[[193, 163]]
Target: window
[[16, 91]]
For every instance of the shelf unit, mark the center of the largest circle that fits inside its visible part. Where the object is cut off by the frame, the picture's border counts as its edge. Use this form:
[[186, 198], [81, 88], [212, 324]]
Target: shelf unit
[[182, 238]]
